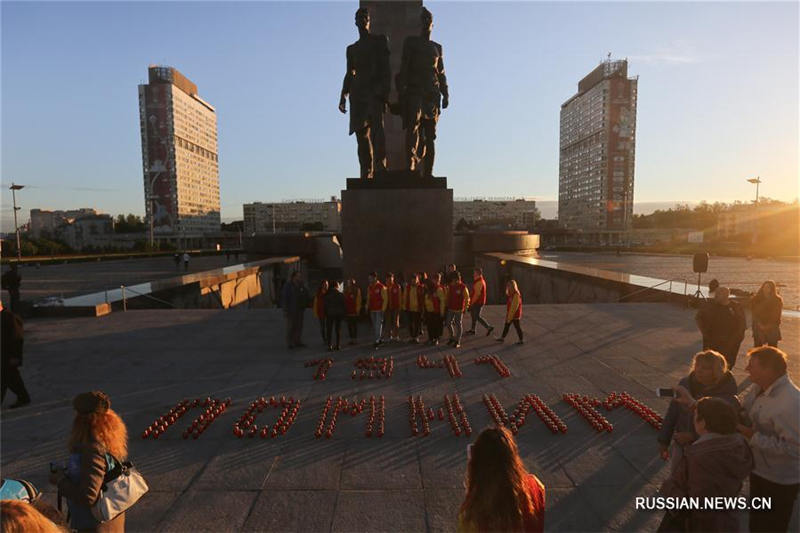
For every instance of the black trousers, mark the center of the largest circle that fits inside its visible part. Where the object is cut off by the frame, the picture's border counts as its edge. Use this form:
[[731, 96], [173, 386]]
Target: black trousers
[[435, 325], [783, 497], [322, 331], [414, 324], [728, 348], [12, 379], [475, 314], [352, 327], [332, 323], [516, 326]]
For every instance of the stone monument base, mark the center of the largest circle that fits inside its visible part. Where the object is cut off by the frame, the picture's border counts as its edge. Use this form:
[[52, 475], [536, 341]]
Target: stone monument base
[[397, 223]]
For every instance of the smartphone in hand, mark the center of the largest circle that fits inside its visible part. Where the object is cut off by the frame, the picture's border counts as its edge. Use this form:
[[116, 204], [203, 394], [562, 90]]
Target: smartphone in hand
[[55, 467], [663, 392]]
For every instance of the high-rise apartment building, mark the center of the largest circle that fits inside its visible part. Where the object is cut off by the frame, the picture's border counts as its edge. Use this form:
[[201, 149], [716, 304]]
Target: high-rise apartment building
[[597, 153], [179, 156]]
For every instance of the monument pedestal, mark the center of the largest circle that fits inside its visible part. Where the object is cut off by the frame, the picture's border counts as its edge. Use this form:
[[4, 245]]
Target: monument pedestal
[[397, 223]]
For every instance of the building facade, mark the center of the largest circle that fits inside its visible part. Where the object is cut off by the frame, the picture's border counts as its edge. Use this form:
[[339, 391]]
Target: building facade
[[46, 223], [295, 215], [179, 157], [597, 149], [501, 213]]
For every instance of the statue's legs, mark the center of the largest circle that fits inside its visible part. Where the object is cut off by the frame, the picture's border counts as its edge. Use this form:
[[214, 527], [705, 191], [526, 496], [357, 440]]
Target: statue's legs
[[378, 146], [364, 152], [429, 152], [413, 143]]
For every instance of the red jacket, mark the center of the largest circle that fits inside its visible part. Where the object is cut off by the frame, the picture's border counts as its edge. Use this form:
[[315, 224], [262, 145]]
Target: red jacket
[[376, 299], [457, 297], [395, 294], [352, 302], [478, 292]]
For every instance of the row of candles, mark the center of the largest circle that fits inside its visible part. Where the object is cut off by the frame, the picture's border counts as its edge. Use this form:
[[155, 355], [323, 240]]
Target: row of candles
[[457, 416], [376, 420], [419, 416], [448, 361]]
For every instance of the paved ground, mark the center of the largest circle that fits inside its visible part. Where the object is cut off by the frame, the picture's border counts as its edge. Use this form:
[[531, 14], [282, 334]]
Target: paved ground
[[148, 360], [70, 279]]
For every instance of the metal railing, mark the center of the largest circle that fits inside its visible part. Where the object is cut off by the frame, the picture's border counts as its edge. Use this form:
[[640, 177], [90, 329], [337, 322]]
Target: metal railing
[[123, 288], [664, 282]]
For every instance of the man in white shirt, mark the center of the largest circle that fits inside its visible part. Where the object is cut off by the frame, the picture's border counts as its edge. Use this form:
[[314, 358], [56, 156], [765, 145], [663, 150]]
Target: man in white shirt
[[772, 405]]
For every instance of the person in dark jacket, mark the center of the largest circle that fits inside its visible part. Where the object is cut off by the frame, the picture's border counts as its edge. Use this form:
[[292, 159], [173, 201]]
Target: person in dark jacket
[[709, 376], [722, 324], [12, 342], [335, 311], [11, 282], [715, 465], [767, 306], [293, 301]]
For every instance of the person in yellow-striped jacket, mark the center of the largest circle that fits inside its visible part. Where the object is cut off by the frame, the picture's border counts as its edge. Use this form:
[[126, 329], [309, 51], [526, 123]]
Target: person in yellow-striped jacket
[[434, 308], [352, 301], [477, 301], [413, 304], [513, 310], [318, 308]]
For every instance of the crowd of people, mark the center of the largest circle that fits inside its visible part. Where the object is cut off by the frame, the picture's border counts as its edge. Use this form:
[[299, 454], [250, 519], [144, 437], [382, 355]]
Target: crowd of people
[[715, 435], [717, 438], [424, 303]]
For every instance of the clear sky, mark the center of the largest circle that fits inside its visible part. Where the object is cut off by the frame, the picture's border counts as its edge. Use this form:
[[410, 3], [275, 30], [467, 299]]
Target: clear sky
[[718, 95]]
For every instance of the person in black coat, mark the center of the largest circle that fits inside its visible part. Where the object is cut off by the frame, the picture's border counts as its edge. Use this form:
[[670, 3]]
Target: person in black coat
[[335, 311], [12, 340], [294, 300], [709, 377], [11, 282], [767, 307], [722, 324]]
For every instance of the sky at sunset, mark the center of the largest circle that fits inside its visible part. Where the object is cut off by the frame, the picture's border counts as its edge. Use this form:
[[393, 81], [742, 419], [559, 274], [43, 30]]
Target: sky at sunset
[[718, 96]]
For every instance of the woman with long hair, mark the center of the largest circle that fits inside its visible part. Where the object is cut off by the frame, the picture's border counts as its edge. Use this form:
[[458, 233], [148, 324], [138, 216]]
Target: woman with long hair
[[501, 495], [767, 306], [513, 311], [98, 441], [708, 376]]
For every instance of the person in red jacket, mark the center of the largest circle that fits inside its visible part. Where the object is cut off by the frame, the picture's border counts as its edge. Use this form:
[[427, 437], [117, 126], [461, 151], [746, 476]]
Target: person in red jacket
[[352, 301], [477, 301], [414, 303], [391, 322], [513, 310], [376, 305], [434, 309], [318, 307], [501, 494], [457, 303]]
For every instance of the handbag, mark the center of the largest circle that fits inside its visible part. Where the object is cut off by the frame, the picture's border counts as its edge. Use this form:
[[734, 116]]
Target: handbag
[[122, 487]]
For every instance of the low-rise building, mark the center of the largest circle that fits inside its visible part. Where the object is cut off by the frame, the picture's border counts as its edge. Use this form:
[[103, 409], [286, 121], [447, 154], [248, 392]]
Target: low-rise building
[[500, 213], [88, 231], [294, 215], [45, 223]]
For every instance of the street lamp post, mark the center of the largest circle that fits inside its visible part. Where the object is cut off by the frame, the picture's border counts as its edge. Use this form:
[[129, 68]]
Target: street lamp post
[[14, 188], [757, 181]]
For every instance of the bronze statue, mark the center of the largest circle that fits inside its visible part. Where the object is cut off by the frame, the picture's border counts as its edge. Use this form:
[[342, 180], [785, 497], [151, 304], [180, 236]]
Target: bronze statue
[[367, 83], [422, 87]]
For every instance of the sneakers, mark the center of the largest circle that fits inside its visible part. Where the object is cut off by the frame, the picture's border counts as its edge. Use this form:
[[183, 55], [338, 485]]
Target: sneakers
[[457, 345], [435, 342], [469, 332], [520, 341], [489, 331], [500, 339]]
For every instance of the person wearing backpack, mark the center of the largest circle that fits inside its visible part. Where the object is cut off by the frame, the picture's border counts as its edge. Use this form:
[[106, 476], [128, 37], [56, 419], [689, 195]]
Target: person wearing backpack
[[97, 443]]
